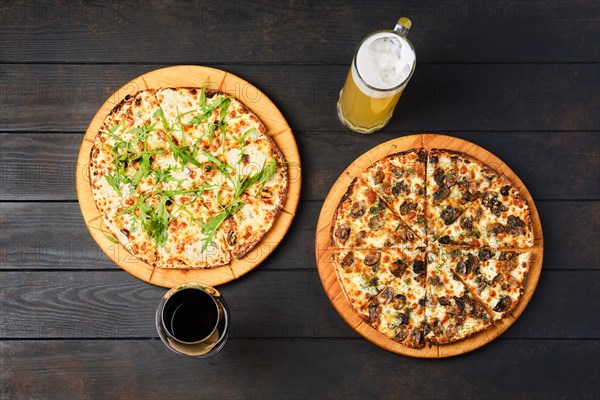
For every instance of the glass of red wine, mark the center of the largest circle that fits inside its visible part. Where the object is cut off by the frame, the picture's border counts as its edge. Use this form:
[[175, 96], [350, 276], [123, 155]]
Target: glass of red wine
[[193, 320]]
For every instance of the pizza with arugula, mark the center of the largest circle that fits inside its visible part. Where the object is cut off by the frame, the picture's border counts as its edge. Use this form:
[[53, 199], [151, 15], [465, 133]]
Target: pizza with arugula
[[186, 177]]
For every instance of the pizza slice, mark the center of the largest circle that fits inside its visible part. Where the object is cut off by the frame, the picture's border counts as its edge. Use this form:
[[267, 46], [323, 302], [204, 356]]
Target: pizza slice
[[258, 160], [499, 218], [454, 180], [185, 246], [400, 181], [259, 191], [128, 143], [236, 127], [363, 220], [363, 274], [398, 310], [451, 312], [498, 278], [132, 229], [123, 135], [252, 220]]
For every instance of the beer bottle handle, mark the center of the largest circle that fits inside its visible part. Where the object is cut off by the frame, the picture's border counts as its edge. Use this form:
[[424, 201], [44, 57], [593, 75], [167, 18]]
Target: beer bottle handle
[[403, 26]]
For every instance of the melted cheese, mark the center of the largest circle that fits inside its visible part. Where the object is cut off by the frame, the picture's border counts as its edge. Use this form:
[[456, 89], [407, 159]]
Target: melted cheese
[[210, 188]]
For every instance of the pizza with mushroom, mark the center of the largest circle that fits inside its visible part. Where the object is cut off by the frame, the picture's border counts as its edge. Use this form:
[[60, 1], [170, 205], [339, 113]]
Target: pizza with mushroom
[[454, 180], [498, 277], [186, 177], [499, 218], [387, 288], [431, 246]]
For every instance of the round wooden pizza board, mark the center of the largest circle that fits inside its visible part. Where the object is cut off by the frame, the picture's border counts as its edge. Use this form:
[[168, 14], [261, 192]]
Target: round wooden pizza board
[[323, 248], [277, 127]]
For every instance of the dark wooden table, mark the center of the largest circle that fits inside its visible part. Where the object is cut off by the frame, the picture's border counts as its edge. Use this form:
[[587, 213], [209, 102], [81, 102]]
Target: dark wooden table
[[518, 78]]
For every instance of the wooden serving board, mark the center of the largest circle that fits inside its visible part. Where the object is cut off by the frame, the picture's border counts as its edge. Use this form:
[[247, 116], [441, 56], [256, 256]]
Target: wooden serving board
[[327, 271], [277, 127]]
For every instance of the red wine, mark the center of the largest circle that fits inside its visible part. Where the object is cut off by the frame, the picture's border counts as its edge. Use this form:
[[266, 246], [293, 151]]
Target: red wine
[[190, 315]]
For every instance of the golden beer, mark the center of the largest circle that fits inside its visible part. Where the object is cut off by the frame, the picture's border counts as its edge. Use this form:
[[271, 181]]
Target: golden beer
[[382, 66]]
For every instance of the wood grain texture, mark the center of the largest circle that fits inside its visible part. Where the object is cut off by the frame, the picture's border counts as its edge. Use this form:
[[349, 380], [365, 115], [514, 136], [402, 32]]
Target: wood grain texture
[[291, 304], [506, 31], [37, 166], [442, 97], [277, 128], [54, 236], [323, 246], [280, 369], [519, 78]]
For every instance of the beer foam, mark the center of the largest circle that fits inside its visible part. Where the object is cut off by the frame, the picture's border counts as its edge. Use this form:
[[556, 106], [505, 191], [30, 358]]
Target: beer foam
[[384, 61]]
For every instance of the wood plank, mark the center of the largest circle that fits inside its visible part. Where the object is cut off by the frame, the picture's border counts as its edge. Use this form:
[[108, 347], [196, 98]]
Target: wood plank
[[59, 31], [112, 304], [53, 235], [532, 155], [568, 234], [559, 291], [281, 369], [439, 97], [42, 167]]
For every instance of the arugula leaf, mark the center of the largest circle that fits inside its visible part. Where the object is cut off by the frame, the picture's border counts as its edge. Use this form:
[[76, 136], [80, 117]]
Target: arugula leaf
[[162, 175], [210, 228], [242, 142], [143, 170], [159, 113], [114, 128], [267, 173], [242, 139], [126, 152], [113, 181], [160, 223], [261, 177], [224, 168], [175, 192], [202, 99], [110, 238], [224, 105], [207, 111], [222, 115], [154, 221], [182, 154]]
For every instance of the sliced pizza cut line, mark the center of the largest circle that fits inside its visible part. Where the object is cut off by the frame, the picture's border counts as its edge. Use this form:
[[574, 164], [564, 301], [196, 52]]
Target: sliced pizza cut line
[[398, 310], [500, 218], [245, 232], [452, 313], [129, 232], [363, 220], [454, 180], [364, 274], [533, 249], [496, 278], [399, 180]]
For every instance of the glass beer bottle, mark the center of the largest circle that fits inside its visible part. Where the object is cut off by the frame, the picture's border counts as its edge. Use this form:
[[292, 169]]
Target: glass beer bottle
[[382, 66]]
